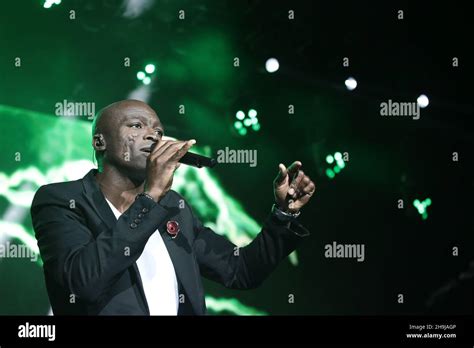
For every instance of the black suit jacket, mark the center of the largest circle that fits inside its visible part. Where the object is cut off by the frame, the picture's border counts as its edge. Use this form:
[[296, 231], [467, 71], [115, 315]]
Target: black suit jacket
[[90, 257]]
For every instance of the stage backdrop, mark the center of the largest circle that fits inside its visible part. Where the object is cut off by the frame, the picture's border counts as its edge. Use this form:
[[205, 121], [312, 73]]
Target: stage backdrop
[[299, 80]]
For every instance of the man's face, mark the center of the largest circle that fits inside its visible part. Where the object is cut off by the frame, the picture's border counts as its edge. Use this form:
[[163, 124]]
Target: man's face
[[129, 133]]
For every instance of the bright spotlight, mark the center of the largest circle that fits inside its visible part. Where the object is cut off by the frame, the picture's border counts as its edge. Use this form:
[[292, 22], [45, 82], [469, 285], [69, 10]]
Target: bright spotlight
[[351, 83], [423, 101], [272, 65], [240, 115], [49, 3], [150, 68], [238, 125]]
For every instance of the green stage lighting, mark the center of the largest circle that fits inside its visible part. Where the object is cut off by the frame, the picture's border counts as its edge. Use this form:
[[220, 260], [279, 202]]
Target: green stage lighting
[[246, 121], [330, 173], [336, 159], [422, 207], [230, 306], [256, 127], [145, 76], [150, 68], [238, 125], [49, 3], [243, 131]]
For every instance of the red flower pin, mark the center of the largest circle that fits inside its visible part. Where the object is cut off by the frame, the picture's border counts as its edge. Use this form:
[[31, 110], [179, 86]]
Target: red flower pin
[[172, 227]]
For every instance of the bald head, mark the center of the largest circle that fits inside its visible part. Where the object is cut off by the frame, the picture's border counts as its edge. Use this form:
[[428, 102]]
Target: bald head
[[116, 110], [121, 129]]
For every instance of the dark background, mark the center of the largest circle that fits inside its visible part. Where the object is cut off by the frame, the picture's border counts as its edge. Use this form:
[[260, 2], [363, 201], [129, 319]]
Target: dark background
[[390, 158]]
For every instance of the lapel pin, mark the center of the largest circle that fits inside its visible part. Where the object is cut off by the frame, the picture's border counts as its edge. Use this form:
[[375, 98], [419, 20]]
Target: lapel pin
[[172, 227]]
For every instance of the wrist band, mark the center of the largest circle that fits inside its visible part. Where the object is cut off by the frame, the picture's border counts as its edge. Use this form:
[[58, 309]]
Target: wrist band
[[283, 215]]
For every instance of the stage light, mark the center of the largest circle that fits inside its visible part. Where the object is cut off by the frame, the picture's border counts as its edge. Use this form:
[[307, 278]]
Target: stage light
[[351, 83], [245, 122], [230, 305], [144, 75], [423, 101], [272, 65], [240, 115], [243, 131], [49, 3], [422, 207], [238, 125], [150, 68], [336, 159]]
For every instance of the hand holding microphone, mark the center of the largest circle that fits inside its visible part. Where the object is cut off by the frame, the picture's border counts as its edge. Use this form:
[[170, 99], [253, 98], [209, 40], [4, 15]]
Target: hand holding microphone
[[164, 159], [161, 164]]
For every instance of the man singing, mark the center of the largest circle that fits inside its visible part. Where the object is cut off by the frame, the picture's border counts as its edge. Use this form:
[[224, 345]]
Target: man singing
[[120, 242]]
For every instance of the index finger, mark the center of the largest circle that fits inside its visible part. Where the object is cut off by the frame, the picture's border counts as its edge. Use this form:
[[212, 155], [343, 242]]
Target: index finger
[[159, 148], [182, 150], [293, 169]]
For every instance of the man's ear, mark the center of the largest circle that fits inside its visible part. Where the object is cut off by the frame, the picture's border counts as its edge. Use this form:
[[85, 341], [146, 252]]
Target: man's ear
[[98, 142]]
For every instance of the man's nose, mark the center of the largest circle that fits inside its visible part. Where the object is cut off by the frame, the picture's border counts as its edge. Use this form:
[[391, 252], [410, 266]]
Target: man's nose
[[152, 135]]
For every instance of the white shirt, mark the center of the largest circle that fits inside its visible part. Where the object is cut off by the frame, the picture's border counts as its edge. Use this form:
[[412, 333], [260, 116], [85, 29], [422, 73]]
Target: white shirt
[[157, 273]]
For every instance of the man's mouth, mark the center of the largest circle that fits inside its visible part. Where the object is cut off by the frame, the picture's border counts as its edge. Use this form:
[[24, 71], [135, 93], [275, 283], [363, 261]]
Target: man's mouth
[[148, 149]]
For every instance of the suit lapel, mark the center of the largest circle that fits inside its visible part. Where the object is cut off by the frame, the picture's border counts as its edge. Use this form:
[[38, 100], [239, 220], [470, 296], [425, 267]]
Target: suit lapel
[[179, 248], [96, 199]]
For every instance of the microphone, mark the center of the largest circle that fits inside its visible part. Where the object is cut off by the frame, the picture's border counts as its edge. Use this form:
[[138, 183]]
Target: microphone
[[193, 159]]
